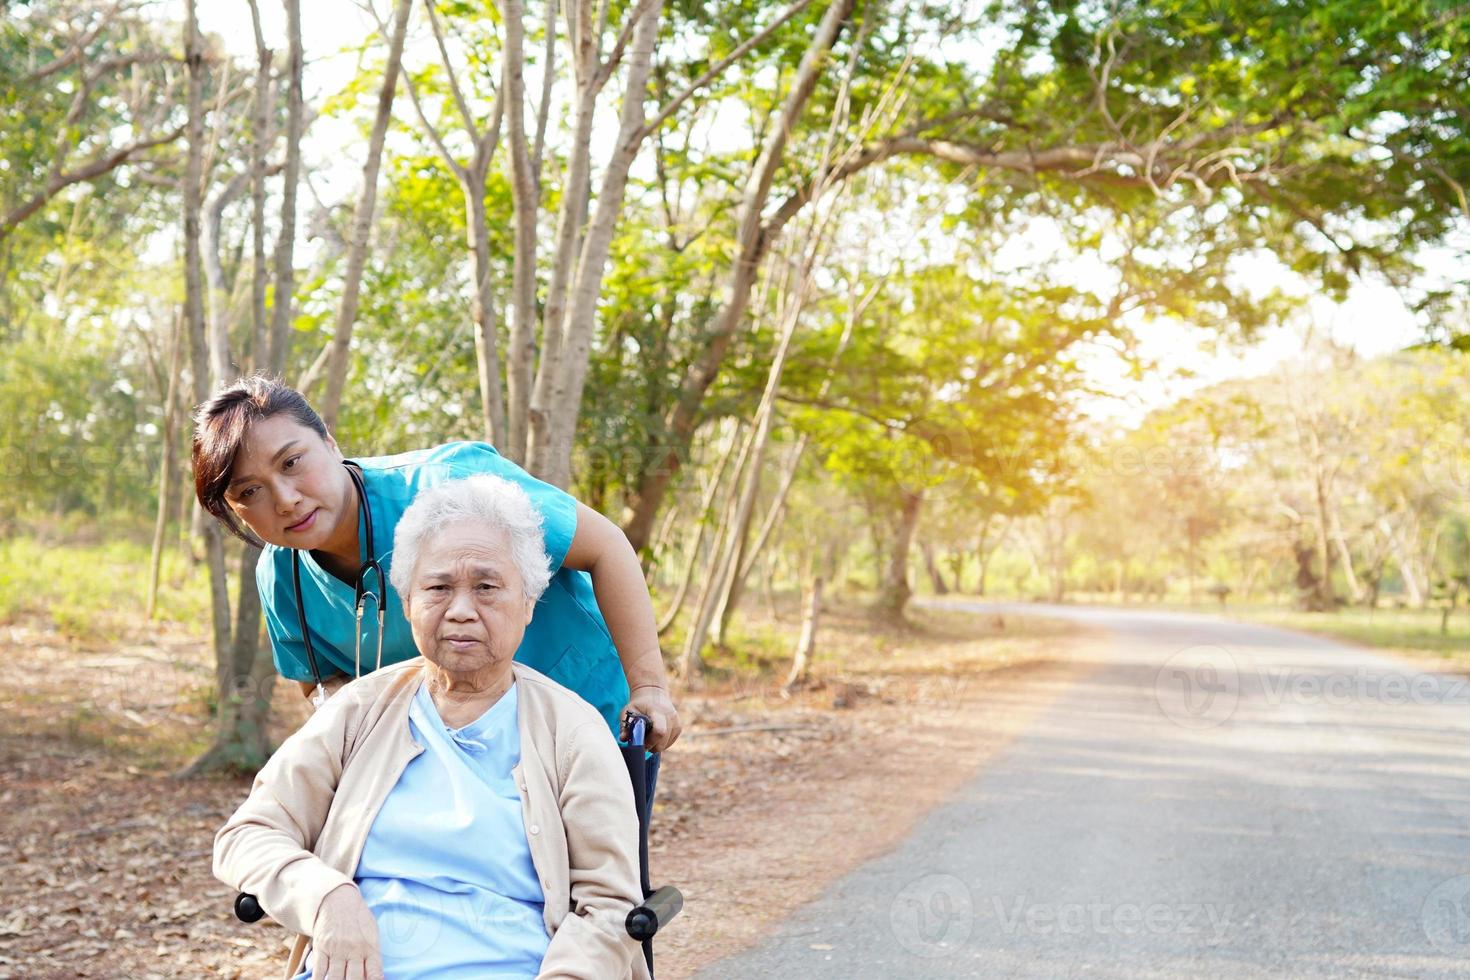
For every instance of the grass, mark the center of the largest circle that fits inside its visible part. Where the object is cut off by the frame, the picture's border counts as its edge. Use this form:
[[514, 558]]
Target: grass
[[91, 591], [1413, 631], [1410, 631], [853, 642], [80, 594]]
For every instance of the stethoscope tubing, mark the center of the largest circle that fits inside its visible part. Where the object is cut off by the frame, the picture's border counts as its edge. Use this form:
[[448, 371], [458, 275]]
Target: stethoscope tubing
[[360, 592]]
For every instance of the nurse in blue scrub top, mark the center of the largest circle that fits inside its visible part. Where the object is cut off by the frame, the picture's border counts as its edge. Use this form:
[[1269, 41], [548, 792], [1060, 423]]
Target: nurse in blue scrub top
[[266, 467]]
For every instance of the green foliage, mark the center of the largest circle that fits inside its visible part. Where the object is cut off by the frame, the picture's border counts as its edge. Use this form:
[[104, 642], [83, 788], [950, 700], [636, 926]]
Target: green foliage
[[78, 430], [1242, 480], [91, 587], [1412, 631], [955, 384]]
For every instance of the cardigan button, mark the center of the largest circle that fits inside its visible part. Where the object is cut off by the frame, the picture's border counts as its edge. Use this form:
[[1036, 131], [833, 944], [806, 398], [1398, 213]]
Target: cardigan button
[[535, 828]]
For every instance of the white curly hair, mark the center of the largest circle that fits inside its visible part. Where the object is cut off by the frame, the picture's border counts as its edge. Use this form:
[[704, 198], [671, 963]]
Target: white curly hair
[[490, 500]]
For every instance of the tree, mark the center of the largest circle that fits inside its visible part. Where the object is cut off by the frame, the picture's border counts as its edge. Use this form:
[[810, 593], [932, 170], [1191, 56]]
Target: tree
[[77, 105], [1217, 135], [956, 387], [362, 220]]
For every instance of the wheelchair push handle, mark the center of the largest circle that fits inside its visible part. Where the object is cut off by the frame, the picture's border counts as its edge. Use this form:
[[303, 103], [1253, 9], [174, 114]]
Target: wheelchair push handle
[[635, 729]]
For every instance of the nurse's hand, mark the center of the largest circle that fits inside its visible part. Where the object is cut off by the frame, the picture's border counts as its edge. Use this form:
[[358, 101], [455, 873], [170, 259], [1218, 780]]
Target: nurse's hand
[[655, 704], [345, 938]]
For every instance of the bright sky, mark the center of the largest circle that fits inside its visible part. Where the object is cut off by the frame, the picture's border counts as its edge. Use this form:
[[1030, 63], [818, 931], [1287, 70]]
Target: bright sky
[[1372, 320]]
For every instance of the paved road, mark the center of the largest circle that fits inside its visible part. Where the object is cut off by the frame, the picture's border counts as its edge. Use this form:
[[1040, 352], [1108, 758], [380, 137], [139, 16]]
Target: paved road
[[1212, 799]]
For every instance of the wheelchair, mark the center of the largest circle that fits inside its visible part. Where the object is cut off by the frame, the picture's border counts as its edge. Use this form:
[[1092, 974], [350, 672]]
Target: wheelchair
[[659, 905]]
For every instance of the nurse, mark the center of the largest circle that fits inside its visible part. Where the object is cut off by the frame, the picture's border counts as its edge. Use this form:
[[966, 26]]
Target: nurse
[[266, 468]]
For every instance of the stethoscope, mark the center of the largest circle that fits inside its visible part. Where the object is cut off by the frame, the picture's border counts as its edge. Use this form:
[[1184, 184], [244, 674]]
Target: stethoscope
[[359, 598]]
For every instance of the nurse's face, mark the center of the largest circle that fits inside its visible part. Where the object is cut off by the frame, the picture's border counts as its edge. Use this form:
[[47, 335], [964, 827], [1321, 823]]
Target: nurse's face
[[465, 603], [289, 486]]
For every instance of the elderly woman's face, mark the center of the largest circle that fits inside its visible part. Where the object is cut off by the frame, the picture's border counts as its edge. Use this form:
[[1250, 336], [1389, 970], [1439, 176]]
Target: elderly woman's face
[[466, 605]]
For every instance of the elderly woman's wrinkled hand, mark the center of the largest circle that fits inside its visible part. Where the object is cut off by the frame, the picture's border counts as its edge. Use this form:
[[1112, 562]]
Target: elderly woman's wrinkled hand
[[346, 938], [655, 704]]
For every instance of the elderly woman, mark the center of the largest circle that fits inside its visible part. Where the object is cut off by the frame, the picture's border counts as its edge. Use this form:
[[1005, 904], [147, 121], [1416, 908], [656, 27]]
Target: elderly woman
[[457, 815]]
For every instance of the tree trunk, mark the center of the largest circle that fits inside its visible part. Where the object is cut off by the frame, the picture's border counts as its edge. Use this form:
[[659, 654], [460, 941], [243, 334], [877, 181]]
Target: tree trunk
[[749, 556], [685, 580], [701, 524], [166, 466], [525, 200], [472, 177], [748, 477], [935, 578], [220, 366], [1192, 546], [691, 662], [894, 594], [753, 553], [1325, 598], [570, 214], [245, 688], [1345, 557], [957, 569], [487, 357], [260, 139], [730, 591], [753, 239], [793, 464], [198, 341], [768, 586], [551, 456], [193, 205], [1309, 586], [240, 742], [1403, 558], [194, 312], [362, 223], [660, 544], [986, 549], [285, 291], [806, 644]]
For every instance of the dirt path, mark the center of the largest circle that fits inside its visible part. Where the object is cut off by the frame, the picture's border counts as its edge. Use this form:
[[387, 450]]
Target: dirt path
[[107, 858]]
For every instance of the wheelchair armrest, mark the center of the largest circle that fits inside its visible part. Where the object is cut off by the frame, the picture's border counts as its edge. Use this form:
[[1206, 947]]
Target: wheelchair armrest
[[656, 911], [247, 909]]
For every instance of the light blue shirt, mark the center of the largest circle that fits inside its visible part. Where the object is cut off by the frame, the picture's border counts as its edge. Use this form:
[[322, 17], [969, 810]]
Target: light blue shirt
[[567, 638], [446, 869]]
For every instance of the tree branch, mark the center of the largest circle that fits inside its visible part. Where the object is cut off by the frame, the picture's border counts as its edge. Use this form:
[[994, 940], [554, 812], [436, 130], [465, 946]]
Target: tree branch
[[431, 131], [74, 52], [459, 99], [548, 75], [719, 67], [615, 56], [94, 168]]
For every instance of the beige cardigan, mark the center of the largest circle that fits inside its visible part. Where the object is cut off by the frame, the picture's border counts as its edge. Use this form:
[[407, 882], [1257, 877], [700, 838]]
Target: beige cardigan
[[301, 831]]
